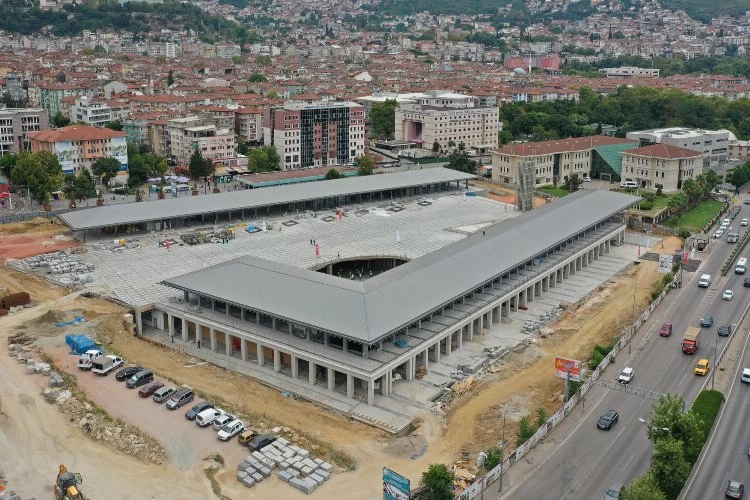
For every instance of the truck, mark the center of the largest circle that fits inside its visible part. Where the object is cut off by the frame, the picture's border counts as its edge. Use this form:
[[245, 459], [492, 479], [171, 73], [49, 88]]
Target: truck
[[105, 364], [691, 340], [88, 357]]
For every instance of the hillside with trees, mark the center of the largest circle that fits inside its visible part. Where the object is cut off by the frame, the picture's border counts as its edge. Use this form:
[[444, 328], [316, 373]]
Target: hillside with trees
[[724, 65], [704, 11]]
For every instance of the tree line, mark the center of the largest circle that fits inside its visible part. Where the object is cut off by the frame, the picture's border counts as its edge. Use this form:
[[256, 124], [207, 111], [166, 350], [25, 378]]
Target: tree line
[[667, 66], [627, 109]]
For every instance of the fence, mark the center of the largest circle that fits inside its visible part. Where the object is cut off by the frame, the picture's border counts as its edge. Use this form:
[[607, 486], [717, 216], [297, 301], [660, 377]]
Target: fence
[[24, 216], [478, 487]]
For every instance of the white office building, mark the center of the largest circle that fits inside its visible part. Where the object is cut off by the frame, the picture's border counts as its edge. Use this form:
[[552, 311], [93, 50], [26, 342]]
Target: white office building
[[713, 144]]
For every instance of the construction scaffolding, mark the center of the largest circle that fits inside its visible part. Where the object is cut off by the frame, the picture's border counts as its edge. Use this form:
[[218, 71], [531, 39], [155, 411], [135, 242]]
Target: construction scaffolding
[[525, 187]]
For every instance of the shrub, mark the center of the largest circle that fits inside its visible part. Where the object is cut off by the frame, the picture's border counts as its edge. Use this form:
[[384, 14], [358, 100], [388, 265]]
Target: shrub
[[525, 430], [492, 459], [541, 417], [646, 205], [598, 353], [706, 407]]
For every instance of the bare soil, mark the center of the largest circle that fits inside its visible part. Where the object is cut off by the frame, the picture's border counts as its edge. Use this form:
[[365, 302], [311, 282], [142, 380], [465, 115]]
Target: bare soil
[[499, 193]]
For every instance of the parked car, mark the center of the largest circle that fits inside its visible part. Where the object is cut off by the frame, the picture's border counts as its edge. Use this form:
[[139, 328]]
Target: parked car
[[193, 412], [703, 367], [707, 321], [735, 489], [164, 394], [743, 222], [247, 436], [261, 442], [586, 178], [207, 416], [231, 429], [127, 372], [746, 281], [608, 419], [745, 377], [87, 359], [143, 377], [149, 389], [728, 295], [613, 493], [626, 376], [666, 330], [180, 398], [724, 330], [222, 420]]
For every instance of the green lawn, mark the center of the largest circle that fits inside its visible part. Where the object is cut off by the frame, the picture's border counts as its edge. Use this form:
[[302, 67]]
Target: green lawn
[[695, 219], [553, 191], [659, 204]]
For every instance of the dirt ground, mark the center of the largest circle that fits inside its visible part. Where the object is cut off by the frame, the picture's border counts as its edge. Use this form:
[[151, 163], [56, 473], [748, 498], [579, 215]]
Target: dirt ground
[[474, 421], [25, 239], [499, 193]]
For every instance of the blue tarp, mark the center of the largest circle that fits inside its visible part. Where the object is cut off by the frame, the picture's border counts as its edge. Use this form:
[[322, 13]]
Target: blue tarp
[[76, 320], [81, 343]]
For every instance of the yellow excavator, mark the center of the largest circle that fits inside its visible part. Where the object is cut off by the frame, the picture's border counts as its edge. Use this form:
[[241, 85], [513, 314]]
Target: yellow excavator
[[66, 486]]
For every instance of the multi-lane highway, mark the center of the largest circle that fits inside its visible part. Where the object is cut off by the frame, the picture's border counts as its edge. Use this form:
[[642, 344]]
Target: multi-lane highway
[[726, 454], [584, 461]]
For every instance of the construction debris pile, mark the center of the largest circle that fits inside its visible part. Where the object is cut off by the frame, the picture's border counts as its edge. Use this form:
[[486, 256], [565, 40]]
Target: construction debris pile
[[6, 494], [14, 302], [201, 237], [534, 325], [63, 267]]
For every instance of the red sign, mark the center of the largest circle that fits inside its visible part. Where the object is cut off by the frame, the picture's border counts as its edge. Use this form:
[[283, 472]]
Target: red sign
[[4, 191], [565, 368]]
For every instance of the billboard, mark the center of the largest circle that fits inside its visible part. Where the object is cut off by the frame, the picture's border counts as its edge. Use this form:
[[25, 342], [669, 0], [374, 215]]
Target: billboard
[[4, 191], [395, 486], [565, 367]]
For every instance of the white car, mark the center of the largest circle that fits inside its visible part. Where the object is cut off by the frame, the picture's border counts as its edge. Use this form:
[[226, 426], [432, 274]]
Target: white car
[[231, 429], [206, 417], [743, 222], [728, 294], [626, 375], [727, 221], [718, 233], [586, 178], [223, 420], [87, 359]]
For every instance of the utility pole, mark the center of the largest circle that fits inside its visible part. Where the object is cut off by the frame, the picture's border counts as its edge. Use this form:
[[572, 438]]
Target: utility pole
[[502, 455], [716, 364]]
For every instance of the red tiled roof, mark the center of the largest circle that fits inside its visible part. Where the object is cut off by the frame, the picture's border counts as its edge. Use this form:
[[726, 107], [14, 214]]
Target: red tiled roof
[[560, 146], [665, 151], [76, 133]]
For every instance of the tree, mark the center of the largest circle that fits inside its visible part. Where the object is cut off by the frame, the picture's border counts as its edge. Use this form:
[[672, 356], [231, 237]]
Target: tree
[[492, 458], [263, 159], [669, 468], [366, 165], [333, 174], [643, 488], [573, 182], [438, 481], [170, 78], [683, 427], [79, 186], [435, 146], [199, 166], [7, 162], [461, 162], [383, 119], [137, 170], [257, 78], [60, 120], [114, 125], [105, 169], [40, 172]]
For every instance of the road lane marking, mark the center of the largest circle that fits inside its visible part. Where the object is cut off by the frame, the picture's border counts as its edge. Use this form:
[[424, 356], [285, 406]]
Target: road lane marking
[[624, 467]]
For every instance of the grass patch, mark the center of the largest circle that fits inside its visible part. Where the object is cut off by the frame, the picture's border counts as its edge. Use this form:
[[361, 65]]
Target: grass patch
[[706, 408], [553, 191], [694, 220]]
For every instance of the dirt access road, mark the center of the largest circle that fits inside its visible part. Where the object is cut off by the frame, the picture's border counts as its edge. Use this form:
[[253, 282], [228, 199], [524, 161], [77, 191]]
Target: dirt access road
[[524, 384]]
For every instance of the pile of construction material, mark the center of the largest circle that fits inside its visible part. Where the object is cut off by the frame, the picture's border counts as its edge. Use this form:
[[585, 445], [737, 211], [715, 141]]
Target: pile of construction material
[[61, 262], [14, 302], [295, 464], [534, 325], [214, 236]]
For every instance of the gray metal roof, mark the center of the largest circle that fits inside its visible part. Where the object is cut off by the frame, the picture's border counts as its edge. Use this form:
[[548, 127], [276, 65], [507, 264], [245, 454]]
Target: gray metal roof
[[369, 310], [133, 213]]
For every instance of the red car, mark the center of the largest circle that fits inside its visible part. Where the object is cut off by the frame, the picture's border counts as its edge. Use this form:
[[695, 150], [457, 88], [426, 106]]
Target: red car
[[148, 389], [666, 330]]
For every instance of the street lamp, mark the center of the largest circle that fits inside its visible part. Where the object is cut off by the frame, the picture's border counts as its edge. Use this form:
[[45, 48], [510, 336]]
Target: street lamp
[[713, 373], [665, 429]]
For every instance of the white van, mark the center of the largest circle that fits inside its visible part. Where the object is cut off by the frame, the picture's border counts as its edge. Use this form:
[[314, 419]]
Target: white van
[[745, 377], [704, 281], [628, 184], [741, 266]]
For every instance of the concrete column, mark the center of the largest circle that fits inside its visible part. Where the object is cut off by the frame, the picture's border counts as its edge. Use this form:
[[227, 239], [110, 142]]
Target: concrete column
[[448, 344], [227, 344], [185, 330], [295, 367], [460, 334], [349, 386], [311, 373], [437, 352], [426, 358], [471, 331], [371, 392], [331, 379], [213, 339], [259, 353], [383, 385], [170, 323], [276, 360], [390, 382], [243, 349], [409, 368], [489, 318], [138, 324]]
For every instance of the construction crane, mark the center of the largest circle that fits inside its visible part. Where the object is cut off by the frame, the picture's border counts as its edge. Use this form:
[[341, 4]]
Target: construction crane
[[66, 486]]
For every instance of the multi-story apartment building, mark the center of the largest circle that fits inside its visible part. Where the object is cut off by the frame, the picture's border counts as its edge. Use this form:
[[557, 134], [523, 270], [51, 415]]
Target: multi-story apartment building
[[249, 125], [15, 125], [714, 144], [14, 87], [50, 95], [629, 71], [661, 165], [448, 119], [597, 156], [739, 150], [310, 132], [79, 146], [185, 135], [98, 113]]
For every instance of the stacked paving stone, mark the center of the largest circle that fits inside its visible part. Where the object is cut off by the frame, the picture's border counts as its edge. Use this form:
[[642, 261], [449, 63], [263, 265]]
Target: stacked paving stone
[[296, 467]]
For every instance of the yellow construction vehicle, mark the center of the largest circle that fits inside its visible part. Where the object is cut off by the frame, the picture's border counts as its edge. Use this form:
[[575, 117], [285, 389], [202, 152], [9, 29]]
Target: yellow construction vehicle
[[66, 486]]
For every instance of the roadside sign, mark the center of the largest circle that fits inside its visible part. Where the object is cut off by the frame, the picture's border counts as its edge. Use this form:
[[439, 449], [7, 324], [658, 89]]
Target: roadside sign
[[565, 368], [395, 486]]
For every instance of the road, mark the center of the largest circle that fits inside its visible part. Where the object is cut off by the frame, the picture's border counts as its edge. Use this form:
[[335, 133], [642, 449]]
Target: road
[[578, 461], [726, 454]]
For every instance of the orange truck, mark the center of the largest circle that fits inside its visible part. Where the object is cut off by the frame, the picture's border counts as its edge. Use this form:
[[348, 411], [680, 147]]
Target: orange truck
[[691, 340]]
